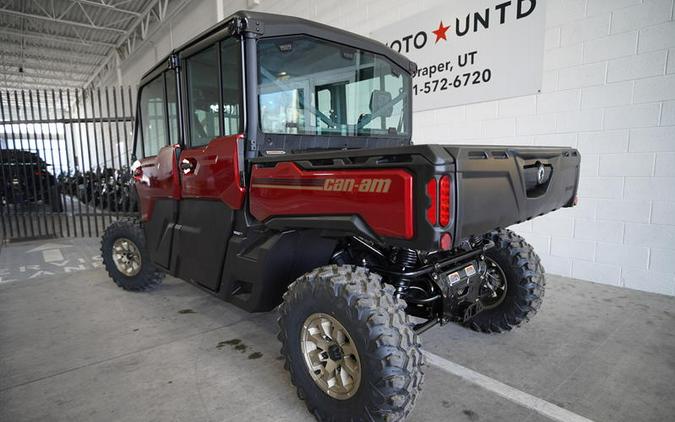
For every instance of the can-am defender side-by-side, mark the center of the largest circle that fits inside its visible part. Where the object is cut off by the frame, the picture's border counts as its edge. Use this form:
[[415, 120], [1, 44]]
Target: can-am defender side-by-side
[[275, 168]]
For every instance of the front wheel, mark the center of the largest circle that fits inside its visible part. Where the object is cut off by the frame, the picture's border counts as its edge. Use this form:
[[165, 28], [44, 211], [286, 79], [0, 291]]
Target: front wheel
[[126, 258], [514, 284], [349, 347]]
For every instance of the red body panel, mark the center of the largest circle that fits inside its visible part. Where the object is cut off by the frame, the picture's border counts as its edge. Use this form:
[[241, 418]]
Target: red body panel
[[216, 172], [382, 198], [157, 177]]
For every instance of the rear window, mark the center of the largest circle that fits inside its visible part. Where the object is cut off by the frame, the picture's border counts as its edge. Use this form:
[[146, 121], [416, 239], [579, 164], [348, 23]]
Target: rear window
[[203, 96], [153, 117]]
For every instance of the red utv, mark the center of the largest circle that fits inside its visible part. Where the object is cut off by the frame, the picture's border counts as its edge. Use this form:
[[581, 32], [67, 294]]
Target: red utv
[[275, 169]]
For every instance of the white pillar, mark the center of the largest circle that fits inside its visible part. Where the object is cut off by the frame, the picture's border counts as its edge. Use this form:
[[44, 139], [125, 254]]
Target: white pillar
[[220, 13], [118, 67]]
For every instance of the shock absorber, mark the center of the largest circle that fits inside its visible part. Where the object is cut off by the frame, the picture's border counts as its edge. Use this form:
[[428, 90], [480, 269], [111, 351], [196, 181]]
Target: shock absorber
[[406, 258]]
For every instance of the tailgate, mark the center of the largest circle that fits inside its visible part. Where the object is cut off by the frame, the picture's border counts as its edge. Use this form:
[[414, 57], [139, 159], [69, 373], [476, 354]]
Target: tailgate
[[502, 186]]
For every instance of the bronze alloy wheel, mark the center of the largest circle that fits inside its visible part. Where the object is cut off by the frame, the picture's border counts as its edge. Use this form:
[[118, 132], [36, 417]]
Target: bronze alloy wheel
[[349, 346], [331, 356], [126, 256]]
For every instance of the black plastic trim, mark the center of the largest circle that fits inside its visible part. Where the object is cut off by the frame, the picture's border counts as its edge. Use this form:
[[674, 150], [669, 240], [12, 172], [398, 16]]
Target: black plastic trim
[[330, 226]]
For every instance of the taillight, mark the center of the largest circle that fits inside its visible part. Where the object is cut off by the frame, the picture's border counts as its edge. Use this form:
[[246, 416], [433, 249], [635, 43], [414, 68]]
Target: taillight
[[444, 217], [446, 241], [431, 193]]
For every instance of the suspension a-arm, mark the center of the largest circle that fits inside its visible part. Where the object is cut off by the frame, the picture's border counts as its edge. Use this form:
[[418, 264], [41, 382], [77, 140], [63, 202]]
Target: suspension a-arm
[[438, 287]]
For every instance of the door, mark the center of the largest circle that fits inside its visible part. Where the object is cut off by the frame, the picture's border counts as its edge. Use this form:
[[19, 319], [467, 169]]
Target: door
[[210, 187], [156, 171]]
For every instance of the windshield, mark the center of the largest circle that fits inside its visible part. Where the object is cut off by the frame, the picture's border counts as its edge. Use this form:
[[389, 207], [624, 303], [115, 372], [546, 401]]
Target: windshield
[[308, 86]]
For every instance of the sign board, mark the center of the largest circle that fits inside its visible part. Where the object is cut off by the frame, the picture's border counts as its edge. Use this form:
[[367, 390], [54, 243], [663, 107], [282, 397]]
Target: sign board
[[469, 51]]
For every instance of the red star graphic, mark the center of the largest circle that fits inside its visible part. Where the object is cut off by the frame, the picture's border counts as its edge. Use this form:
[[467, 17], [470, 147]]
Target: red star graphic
[[440, 32]]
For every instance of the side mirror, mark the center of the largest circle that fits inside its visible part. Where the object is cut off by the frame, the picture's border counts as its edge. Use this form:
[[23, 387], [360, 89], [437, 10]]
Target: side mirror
[[381, 104]]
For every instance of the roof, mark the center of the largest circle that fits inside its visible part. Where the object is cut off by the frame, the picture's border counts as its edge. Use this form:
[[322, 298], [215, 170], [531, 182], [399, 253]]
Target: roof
[[271, 25]]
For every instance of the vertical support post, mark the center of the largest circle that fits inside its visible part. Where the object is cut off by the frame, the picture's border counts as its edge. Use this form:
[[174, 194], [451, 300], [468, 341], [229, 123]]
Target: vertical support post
[[5, 173], [118, 67], [114, 207], [118, 141], [131, 113], [251, 84], [95, 176], [38, 188], [39, 181], [104, 171], [23, 168], [48, 181], [66, 173], [85, 176]]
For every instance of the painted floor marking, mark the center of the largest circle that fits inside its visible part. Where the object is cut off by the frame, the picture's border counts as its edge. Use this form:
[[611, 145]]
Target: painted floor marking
[[52, 255], [529, 401], [45, 246]]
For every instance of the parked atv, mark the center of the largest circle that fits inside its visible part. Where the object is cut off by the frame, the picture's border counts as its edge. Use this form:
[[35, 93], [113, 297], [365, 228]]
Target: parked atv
[[287, 179], [108, 188]]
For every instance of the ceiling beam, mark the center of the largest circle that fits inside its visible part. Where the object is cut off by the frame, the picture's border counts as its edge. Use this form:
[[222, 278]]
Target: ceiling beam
[[72, 70], [19, 88], [60, 20], [137, 22], [56, 38], [108, 6], [39, 76], [30, 84], [31, 45], [30, 55]]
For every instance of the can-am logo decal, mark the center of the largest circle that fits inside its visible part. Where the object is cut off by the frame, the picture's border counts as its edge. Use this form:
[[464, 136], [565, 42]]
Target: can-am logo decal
[[480, 20], [363, 185]]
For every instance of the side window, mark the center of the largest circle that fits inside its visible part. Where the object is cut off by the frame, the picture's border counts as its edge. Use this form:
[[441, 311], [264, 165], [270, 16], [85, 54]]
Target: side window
[[203, 96], [172, 106], [230, 53], [153, 117]]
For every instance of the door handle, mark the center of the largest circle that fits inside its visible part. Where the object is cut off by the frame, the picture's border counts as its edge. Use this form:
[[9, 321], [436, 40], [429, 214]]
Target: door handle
[[187, 166]]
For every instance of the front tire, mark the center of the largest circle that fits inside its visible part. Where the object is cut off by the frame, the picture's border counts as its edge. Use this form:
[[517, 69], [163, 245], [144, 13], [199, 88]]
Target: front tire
[[126, 258], [522, 288], [55, 203], [349, 347]]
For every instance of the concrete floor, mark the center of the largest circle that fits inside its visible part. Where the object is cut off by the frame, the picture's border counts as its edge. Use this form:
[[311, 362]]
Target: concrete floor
[[74, 347]]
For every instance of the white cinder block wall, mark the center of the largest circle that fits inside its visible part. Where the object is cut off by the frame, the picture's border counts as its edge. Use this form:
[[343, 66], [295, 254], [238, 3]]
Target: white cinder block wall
[[609, 90]]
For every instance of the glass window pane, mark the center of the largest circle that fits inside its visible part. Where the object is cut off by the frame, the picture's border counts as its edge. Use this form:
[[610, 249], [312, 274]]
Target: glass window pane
[[232, 91], [314, 87], [153, 116], [172, 106], [203, 96]]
